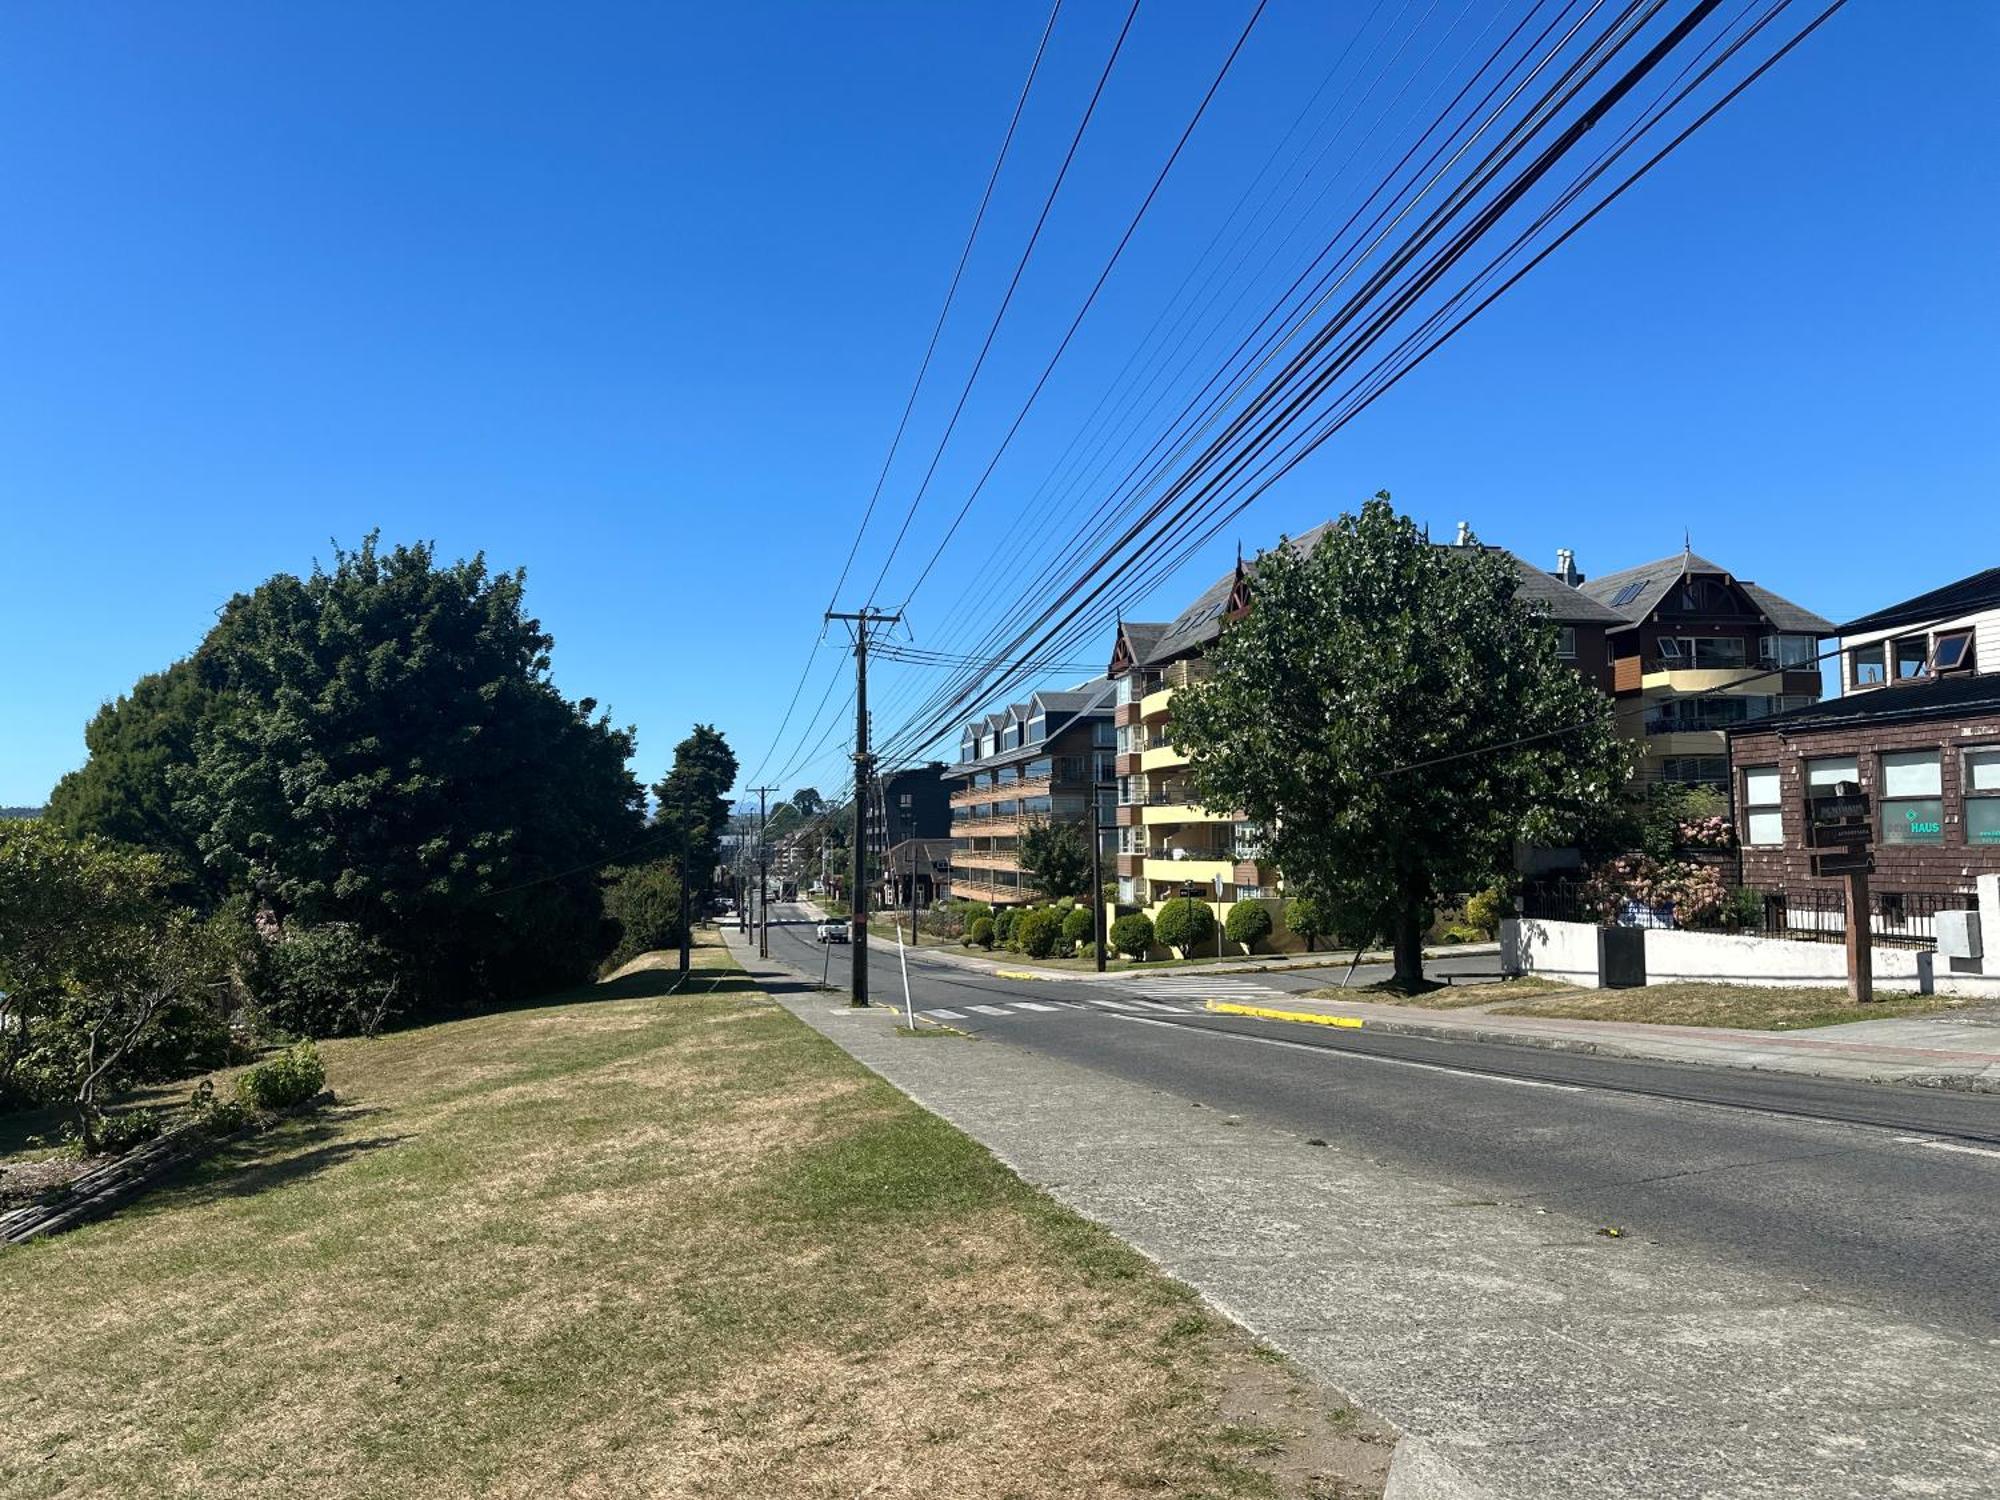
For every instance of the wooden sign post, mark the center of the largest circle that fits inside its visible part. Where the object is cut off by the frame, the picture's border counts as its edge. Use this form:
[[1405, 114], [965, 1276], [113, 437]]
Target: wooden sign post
[[1837, 821]]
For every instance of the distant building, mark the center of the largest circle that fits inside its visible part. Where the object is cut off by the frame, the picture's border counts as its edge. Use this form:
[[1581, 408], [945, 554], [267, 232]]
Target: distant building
[[927, 862], [1049, 759], [912, 803], [1917, 728], [1696, 652]]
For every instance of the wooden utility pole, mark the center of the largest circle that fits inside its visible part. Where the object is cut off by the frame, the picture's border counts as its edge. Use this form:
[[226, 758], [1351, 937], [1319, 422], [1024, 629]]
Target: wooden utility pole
[[763, 868], [863, 774]]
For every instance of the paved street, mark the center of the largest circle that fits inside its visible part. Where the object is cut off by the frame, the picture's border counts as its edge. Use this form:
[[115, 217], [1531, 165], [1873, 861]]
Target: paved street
[[1762, 1191]]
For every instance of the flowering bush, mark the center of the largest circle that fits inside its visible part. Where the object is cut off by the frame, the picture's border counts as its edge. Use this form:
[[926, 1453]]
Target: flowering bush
[[1696, 895], [1706, 833]]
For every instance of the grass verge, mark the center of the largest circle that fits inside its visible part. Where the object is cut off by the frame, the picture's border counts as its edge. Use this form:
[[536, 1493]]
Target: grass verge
[[630, 1244], [1749, 1006]]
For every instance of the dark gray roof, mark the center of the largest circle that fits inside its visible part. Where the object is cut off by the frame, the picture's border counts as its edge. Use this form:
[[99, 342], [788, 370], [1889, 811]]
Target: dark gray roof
[[1144, 639], [1093, 694], [1980, 591], [1201, 621], [1556, 599], [1634, 593], [1941, 698]]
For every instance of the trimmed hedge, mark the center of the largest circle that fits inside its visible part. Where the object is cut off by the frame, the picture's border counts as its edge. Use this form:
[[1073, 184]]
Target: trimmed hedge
[[1132, 935], [1249, 923], [1037, 932], [1185, 924], [1077, 925]]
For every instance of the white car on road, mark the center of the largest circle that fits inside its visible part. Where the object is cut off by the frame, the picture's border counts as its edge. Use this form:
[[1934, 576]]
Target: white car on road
[[832, 932]]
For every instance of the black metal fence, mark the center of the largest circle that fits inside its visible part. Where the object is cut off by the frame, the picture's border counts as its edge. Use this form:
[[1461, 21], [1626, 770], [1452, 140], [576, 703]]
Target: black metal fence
[[1897, 919]]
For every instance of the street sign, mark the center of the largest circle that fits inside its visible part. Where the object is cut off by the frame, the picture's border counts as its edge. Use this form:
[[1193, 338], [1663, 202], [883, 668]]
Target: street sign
[[1842, 803], [1845, 862], [1840, 835]]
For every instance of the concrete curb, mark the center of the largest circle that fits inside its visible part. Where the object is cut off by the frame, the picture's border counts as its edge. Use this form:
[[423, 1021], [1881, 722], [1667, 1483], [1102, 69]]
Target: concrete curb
[[1418, 1470]]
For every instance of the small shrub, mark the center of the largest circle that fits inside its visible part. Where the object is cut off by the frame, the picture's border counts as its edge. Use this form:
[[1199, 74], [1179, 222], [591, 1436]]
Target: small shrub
[[117, 1134], [1038, 932], [1487, 909], [1304, 917], [1003, 924], [1132, 935], [221, 1116], [1249, 923], [292, 1077], [1743, 907], [1077, 925], [1185, 924], [981, 933]]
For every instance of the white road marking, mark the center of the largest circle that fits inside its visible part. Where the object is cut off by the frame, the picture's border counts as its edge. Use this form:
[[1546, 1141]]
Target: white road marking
[[1924, 1140], [1113, 1004], [989, 1010], [945, 1015], [1399, 1062], [1031, 1005]]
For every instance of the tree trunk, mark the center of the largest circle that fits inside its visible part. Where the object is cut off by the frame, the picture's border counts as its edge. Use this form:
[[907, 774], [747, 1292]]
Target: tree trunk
[[1409, 947]]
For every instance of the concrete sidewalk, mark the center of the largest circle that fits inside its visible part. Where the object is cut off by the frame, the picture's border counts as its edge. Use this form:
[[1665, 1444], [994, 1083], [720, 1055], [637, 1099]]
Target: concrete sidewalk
[[1519, 1351], [1941, 1051]]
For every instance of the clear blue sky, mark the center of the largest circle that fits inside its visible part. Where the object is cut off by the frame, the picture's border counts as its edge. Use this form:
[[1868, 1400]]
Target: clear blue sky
[[631, 296]]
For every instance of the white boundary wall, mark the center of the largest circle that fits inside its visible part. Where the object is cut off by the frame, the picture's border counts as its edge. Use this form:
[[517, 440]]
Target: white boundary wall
[[1567, 951]]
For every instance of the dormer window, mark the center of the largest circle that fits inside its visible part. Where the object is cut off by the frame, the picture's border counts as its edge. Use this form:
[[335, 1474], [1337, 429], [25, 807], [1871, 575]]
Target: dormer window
[[1867, 666], [1913, 658], [1953, 651]]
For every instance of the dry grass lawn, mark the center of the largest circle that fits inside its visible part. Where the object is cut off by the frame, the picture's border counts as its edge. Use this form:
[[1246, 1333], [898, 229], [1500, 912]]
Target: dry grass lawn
[[630, 1244]]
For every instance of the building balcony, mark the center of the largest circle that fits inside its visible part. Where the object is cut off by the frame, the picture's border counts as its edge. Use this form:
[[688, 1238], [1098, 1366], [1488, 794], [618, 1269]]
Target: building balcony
[[1203, 872], [1155, 705], [1161, 758]]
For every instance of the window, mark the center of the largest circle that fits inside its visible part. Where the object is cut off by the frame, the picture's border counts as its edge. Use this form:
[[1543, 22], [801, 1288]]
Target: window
[[1953, 653], [1695, 770], [1827, 771], [1763, 814], [1566, 642], [1866, 667], [1788, 650], [1912, 797], [1706, 653], [1913, 658], [1103, 734], [1038, 729], [1982, 796]]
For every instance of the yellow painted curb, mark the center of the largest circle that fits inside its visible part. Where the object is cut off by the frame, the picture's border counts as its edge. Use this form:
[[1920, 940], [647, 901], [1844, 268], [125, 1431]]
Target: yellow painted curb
[[1016, 974], [1264, 1013]]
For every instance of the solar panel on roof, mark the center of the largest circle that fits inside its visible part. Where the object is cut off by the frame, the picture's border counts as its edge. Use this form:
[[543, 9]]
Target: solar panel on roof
[[1627, 594]]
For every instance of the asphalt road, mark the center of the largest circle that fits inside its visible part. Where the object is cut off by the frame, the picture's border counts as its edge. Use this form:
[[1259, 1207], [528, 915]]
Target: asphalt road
[[1887, 1196]]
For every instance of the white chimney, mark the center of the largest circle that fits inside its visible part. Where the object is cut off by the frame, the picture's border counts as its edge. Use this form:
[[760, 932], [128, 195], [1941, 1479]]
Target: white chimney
[[1566, 567]]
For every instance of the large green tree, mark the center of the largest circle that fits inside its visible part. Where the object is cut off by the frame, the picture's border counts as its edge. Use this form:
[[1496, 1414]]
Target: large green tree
[[1058, 852], [387, 750], [1396, 718], [692, 804], [123, 791]]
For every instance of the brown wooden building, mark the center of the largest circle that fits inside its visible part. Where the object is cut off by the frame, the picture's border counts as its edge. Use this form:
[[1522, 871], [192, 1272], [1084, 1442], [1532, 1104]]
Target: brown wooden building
[[1918, 729]]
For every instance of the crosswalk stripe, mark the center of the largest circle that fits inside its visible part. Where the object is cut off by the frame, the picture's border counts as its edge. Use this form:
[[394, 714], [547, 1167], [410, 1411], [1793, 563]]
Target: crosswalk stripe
[[1031, 1005], [1114, 1004], [989, 1010], [945, 1015]]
